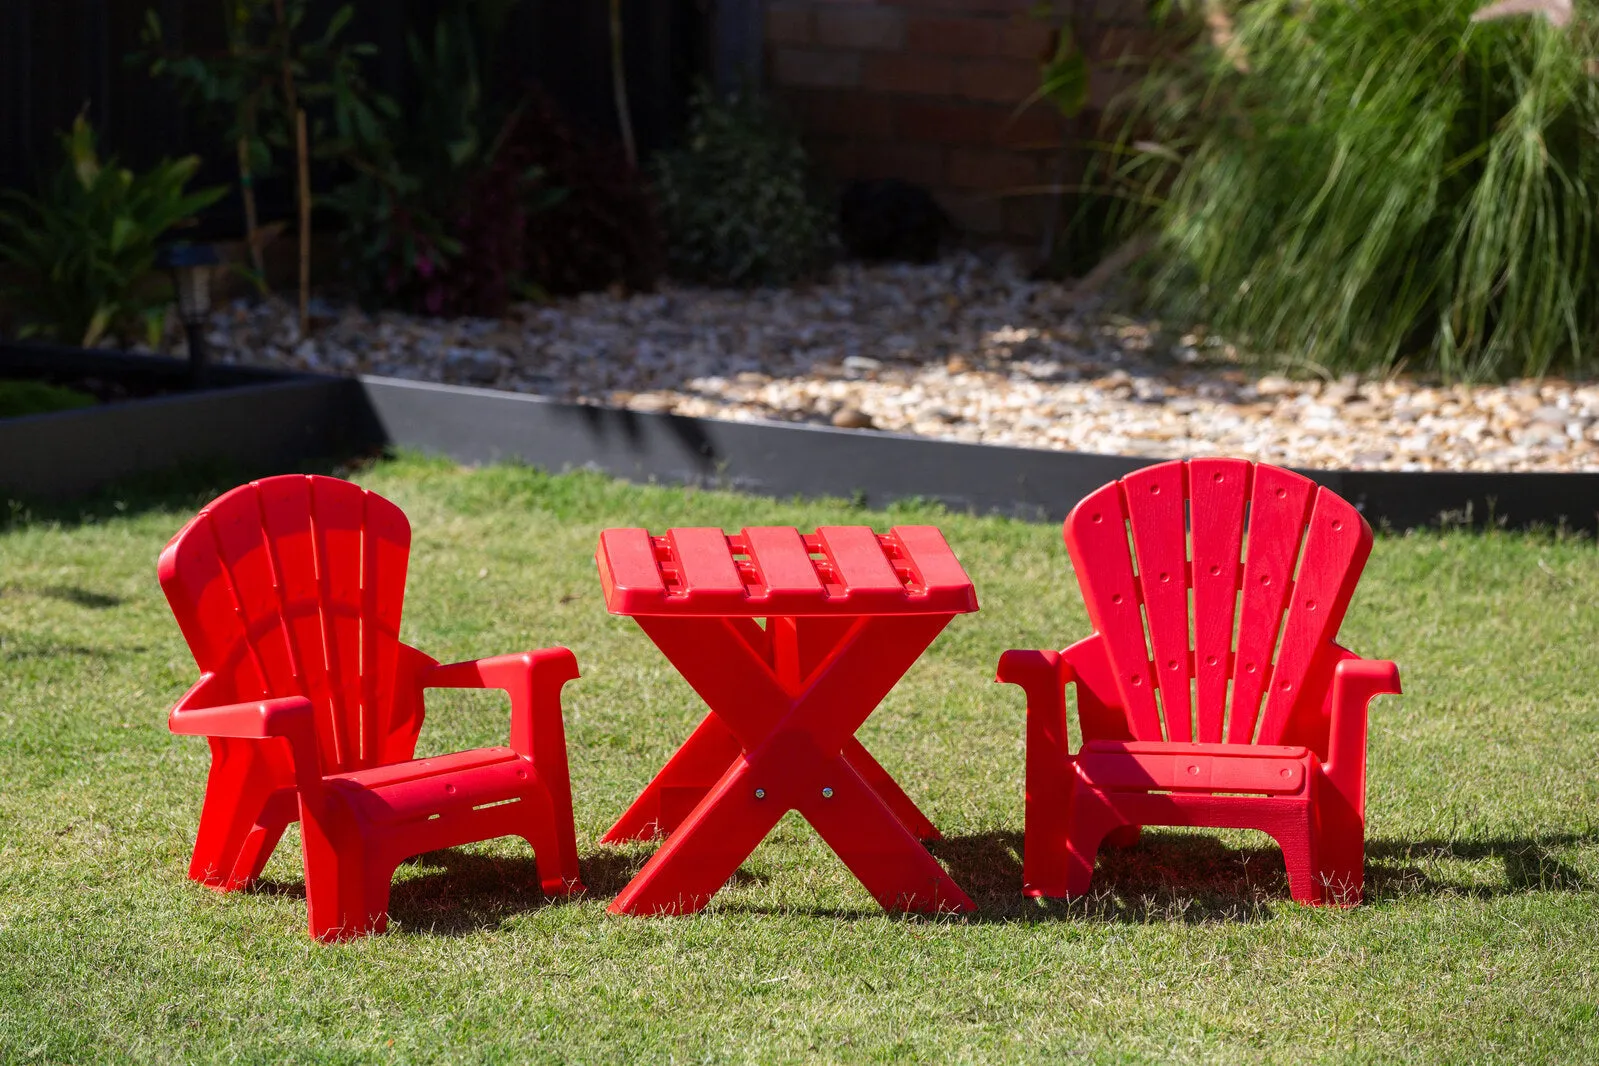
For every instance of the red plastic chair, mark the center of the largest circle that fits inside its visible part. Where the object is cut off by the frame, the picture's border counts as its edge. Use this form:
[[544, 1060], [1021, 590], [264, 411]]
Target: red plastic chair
[[1183, 722], [289, 591]]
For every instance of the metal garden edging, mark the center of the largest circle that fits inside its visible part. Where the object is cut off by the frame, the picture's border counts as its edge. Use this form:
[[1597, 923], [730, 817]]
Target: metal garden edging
[[262, 421], [781, 459]]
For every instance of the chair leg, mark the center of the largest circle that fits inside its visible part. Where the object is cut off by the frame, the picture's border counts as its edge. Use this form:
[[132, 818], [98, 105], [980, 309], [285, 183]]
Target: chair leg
[[546, 835], [1299, 858], [1340, 841], [549, 761], [1123, 836], [236, 835], [346, 885], [1092, 820]]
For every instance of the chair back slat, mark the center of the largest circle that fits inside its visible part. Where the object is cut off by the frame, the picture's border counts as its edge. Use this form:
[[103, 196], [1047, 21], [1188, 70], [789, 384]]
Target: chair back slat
[[1218, 492], [1278, 504], [1096, 538], [1337, 543], [1155, 511]]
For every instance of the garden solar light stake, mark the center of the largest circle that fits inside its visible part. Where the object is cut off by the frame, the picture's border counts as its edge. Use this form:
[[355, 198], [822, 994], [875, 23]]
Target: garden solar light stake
[[191, 266]]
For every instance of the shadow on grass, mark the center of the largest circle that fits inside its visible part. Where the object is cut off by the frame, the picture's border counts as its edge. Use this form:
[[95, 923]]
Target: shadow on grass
[[461, 892], [1168, 877], [1164, 878], [1530, 865]]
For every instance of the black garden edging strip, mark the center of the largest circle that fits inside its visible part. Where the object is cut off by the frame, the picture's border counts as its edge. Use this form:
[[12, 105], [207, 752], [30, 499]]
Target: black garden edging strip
[[247, 418], [782, 459], [261, 421]]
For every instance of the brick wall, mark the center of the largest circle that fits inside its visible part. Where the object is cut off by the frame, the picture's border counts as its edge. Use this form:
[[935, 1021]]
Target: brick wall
[[928, 91]]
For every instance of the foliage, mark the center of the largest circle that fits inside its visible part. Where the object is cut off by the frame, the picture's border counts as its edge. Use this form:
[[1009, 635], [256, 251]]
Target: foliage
[[1359, 185], [25, 397], [270, 70], [83, 249], [603, 232], [736, 198], [437, 210]]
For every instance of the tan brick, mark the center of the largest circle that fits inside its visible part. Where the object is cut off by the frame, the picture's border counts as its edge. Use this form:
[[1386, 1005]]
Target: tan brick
[[974, 213], [991, 169], [951, 36], [1040, 126], [864, 29], [1025, 37], [844, 113], [1126, 12], [932, 75], [795, 66], [788, 24], [1125, 43], [922, 164], [1105, 84], [965, 7], [1007, 81], [835, 158], [1028, 216], [939, 122]]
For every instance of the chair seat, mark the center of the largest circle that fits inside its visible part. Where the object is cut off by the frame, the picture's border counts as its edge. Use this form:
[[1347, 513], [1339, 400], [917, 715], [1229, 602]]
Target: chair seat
[[444, 784], [1151, 766]]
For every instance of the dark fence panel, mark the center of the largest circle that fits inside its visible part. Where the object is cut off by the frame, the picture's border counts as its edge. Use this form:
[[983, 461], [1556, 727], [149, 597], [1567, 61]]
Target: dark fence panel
[[58, 56]]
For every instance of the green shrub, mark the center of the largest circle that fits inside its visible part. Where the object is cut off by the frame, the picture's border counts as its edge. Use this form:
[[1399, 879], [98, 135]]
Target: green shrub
[[82, 250], [736, 199], [1356, 185]]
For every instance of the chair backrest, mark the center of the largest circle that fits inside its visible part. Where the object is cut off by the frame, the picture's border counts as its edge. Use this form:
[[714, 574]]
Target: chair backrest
[[293, 586], [1217, 587]]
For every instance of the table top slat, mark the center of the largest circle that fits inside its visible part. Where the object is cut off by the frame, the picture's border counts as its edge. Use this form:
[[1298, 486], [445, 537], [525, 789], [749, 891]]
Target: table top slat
[[704, 562], [785, 565]]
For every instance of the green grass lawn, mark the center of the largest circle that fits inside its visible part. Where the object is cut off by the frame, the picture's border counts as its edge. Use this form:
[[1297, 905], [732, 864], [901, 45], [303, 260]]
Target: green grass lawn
[[1479, 941]]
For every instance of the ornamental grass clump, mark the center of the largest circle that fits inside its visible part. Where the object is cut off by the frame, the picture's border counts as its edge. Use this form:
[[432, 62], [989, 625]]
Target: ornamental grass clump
[[1365, 185]]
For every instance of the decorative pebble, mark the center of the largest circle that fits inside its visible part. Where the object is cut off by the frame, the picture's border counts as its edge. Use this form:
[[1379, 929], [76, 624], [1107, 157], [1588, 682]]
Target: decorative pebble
[[965, 349]]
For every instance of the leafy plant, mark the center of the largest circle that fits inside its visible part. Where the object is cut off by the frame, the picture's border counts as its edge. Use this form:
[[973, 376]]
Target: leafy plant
[[277, 91], [437, 209], [603, 230], [1359, 185], [736, 198], [83, 248]]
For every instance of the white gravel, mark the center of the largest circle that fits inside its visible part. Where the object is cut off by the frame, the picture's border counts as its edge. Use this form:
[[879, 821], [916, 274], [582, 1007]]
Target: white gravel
[[966, 349]]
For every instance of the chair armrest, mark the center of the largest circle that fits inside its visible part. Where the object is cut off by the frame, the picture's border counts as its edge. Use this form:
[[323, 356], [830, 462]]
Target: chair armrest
[[532, 679], [1356, 682], [288, 719], [1043, 676], [253, 720]]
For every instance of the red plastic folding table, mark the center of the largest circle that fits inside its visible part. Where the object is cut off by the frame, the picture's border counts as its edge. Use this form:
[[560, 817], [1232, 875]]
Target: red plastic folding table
[[847, 611]]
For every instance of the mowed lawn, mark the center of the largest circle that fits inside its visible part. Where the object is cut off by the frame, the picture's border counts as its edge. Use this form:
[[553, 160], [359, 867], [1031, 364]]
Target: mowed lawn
[[1479, 940]]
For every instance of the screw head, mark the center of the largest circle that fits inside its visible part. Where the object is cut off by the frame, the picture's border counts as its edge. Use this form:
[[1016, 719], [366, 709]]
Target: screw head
[[760, 793], [827, 793]]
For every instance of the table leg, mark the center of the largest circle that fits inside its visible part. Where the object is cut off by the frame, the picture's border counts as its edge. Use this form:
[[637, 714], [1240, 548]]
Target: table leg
[[921, 827], [878, 848], [681, 784], [706, 850]]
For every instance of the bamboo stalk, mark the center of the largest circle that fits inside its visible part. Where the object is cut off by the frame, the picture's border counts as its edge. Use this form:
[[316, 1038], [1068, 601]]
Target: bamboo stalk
[[252, 231], [624, 115], [291, 100], [300, 147]]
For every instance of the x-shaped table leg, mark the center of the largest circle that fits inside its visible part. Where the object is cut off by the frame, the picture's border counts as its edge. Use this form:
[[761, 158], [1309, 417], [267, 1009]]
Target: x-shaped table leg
[[712, 747], [791, 755]]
